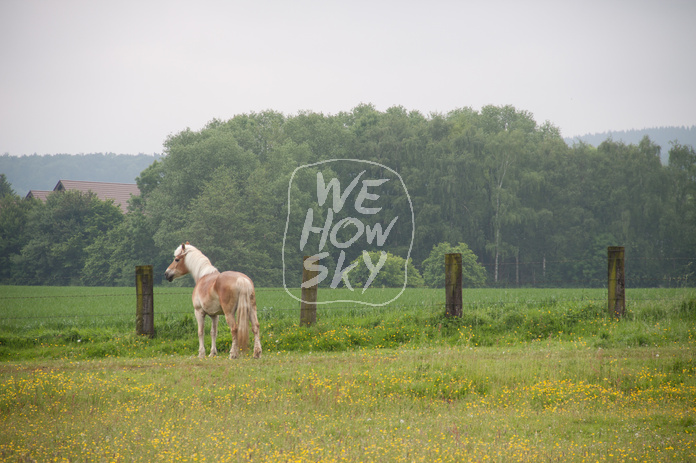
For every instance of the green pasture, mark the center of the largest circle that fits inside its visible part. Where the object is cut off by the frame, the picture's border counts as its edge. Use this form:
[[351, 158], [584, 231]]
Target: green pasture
[[524, 375], [97, 322]]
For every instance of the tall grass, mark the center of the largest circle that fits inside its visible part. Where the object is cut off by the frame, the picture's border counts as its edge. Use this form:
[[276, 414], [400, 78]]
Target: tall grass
[[98, 322]]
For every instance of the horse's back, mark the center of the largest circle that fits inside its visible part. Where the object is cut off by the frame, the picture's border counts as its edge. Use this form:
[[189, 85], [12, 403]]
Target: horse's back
[[229, 278]]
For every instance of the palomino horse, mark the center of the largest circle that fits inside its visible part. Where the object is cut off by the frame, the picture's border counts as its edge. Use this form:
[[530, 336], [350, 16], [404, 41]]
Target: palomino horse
[[216, 293]]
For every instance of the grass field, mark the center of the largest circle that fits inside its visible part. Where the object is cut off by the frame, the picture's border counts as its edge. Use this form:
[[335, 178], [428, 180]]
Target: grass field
[[524, 375]]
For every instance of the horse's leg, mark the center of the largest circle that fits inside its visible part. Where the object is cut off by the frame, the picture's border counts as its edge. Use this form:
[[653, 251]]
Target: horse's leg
[[255, 329], [213, 335], [200, 318], [229, 316]]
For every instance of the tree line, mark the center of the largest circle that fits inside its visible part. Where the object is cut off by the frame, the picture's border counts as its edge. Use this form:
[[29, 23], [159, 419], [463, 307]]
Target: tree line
[[530, 209]]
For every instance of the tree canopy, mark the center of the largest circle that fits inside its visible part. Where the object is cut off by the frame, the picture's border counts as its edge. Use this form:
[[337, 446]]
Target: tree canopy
[[530, 209]]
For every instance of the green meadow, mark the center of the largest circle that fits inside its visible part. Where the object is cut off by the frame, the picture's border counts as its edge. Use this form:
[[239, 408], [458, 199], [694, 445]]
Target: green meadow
[[524, 375]]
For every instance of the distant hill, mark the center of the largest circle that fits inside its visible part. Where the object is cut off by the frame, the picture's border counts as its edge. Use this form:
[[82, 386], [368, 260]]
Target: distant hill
[[662, 136], [42, 172]]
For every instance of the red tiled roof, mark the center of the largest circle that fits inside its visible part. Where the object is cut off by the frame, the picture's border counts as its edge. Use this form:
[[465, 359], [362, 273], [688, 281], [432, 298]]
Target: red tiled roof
[[119, 192]]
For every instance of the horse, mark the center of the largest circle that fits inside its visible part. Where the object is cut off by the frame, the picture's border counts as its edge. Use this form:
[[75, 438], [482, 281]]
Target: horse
[[214, 294]]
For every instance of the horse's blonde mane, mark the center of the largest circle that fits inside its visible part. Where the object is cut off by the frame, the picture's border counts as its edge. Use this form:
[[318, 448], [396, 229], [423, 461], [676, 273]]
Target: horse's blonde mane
[[196, 262]]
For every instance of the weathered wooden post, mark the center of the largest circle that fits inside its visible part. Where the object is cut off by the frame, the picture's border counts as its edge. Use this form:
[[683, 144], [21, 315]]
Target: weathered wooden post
[[308, 306], [616, 281], [145, 314], [453, 285]]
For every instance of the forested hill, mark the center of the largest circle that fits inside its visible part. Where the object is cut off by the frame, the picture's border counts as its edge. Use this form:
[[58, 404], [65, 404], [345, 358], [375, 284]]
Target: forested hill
[[661, 136], [42, 172]]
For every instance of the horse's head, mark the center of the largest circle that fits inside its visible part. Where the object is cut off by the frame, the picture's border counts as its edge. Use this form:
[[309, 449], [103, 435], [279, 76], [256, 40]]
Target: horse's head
[[178, 266]]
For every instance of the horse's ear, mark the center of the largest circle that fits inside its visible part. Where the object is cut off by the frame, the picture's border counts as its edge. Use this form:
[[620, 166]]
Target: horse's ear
[[183, 246], [188, 242]]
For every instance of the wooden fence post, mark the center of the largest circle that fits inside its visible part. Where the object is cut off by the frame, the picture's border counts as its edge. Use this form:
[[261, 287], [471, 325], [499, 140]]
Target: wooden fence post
[[308, 306], [453, 285], [145, 314], [616, 281]]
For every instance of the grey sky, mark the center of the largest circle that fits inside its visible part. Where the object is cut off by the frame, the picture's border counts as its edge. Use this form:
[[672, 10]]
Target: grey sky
[[120, 76]]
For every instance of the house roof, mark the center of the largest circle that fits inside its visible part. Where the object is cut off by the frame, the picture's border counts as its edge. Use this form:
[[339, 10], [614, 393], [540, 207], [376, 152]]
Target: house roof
[[38, 194], [119, 192]]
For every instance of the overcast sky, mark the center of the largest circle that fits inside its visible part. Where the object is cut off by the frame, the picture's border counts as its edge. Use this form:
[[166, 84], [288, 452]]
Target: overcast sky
[[120, 76]]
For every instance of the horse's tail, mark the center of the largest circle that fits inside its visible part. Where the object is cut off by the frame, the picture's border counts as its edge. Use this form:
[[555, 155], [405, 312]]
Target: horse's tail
[[245, 291]]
